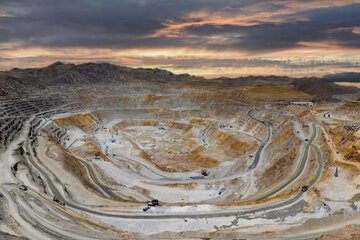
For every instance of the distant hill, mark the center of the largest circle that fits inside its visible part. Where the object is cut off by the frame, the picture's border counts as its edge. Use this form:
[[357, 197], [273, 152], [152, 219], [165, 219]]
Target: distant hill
[[87, 73], [321, 88], [57, 74], [343, 77]]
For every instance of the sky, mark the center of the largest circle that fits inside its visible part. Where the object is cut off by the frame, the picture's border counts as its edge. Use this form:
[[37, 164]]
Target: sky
[[209, 38]]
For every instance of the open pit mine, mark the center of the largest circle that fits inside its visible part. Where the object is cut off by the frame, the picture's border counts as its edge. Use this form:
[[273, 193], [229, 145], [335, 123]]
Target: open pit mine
[[97, 151]]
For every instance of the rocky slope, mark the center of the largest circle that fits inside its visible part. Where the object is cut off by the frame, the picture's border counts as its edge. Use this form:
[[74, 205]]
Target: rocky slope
[[89, 73]]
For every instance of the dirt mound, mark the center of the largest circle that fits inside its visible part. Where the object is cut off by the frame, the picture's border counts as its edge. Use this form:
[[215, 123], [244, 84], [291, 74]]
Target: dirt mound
[[86, 122], [347, 143]]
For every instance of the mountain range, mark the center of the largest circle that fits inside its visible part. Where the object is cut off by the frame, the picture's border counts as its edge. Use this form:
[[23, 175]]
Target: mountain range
[[105, 73]]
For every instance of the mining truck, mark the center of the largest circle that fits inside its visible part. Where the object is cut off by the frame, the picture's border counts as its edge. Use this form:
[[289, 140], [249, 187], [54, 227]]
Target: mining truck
[[55, 199], [152, 203], [304, 188]]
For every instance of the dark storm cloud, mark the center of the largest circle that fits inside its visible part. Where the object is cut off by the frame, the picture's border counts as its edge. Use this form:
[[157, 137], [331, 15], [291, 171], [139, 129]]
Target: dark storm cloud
[[132, 23], [318, 27], [67, 22], [91, 22]]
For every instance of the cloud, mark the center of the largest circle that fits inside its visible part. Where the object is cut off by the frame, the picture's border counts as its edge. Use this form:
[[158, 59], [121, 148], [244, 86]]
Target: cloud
[[248, 34], [356, 30], [270, 36], [132, 23], [249, 62]]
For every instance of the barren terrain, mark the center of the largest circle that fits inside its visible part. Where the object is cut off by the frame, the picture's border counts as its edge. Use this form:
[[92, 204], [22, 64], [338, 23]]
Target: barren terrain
[[106, 152]]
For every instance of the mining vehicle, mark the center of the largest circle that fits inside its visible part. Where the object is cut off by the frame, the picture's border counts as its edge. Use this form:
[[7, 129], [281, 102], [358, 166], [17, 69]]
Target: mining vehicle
[[152, 203], [304, 188], [204, 172], [22, 187], [55, 199]]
